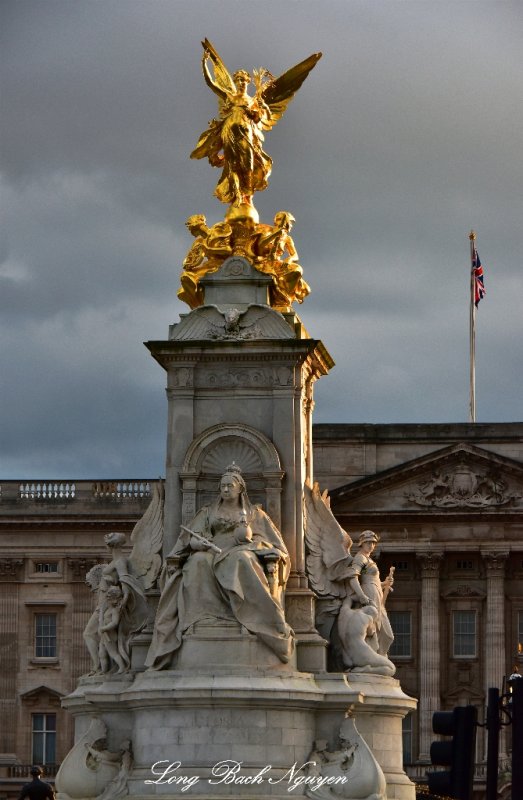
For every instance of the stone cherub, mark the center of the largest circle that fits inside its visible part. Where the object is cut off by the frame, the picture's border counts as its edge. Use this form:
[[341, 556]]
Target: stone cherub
[[351, 611]]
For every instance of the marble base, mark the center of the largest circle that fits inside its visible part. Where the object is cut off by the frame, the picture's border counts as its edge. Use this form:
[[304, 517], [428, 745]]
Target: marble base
[[260, 719]]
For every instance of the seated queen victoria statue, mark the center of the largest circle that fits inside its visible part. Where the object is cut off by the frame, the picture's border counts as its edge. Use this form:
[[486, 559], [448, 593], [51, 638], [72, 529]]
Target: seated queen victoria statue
[[229, 565]]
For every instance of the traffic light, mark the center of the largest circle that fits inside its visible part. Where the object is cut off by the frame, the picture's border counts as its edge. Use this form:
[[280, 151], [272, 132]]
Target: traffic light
[[456, 753]]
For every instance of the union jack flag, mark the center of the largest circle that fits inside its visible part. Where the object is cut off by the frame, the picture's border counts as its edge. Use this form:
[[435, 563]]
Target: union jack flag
[[477, 277]]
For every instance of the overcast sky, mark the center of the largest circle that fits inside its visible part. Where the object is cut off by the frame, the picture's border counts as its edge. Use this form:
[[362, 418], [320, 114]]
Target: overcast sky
[[407, 134]]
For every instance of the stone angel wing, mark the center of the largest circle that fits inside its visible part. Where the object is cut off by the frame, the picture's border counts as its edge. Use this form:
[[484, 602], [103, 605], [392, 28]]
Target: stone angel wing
[[278, 92], [147, 539], [328, 545]]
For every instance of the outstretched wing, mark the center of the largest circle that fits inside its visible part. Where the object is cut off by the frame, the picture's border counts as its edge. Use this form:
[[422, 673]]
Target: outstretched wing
[[147, 539], [222, 80], [327, 543], [278, 93]]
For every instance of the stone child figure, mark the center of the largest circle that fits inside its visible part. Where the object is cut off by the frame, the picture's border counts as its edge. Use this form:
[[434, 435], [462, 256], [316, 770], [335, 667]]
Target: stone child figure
[[220, 574], [110, 618]]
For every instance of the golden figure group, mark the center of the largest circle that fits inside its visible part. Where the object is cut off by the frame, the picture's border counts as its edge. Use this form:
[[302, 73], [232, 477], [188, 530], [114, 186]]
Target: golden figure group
[[270, 248], [234, 142]]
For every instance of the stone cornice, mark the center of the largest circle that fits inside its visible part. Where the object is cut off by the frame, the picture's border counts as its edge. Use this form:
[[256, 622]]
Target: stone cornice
[[194, 352]]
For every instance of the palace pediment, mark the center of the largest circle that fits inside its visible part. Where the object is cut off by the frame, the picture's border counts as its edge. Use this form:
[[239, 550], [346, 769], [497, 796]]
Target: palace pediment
[[460, 478], [42, 695]]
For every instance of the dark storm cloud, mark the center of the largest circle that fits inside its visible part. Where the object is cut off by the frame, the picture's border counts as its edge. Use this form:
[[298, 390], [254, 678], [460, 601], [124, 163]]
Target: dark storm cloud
[[407, 133]]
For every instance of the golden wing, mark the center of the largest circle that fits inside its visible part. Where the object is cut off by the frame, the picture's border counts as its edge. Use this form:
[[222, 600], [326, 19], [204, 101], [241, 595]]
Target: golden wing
[[222, 84], [278, 93]]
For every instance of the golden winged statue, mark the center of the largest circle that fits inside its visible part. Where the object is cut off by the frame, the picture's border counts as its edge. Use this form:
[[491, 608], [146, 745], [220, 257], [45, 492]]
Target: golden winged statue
[[234, 141]]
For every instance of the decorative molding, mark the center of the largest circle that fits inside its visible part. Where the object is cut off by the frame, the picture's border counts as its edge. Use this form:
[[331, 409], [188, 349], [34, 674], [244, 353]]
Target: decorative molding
[[240, 377], [462, 487], [430, 563], [463, 590], [81, 566], [495, 563], [42, 696], [182, 377], [9, 567]]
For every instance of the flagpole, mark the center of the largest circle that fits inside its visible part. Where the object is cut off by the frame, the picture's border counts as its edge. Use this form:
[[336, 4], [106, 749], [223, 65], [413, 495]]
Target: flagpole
[[472, 333]]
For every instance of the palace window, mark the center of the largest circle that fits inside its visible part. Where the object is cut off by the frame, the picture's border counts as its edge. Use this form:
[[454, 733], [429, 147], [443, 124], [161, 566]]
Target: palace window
[[44, 738], [464, 564], [464, 634], [45, 636], [46, 566], [401, 622], [401, 566], [520, 629]]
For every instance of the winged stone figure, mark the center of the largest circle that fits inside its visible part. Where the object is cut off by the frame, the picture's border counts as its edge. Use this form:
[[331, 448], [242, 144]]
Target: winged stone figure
[[350, 612], [234, 141]]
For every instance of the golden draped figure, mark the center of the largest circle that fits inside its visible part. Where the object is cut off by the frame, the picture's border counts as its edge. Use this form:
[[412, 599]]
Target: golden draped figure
[[234, 140]]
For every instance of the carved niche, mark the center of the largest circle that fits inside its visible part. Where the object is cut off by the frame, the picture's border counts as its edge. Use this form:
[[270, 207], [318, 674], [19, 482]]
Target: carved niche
[[212, 452]]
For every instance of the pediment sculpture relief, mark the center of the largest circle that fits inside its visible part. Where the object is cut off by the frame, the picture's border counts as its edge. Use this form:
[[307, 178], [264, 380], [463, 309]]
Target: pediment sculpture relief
[[462, 486]]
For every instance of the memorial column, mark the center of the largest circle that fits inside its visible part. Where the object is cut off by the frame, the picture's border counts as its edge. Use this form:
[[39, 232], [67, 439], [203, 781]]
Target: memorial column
[[429, 650]]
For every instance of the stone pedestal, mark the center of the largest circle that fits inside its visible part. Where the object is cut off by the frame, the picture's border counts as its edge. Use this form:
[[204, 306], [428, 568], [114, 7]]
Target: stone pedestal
[[264, 722]]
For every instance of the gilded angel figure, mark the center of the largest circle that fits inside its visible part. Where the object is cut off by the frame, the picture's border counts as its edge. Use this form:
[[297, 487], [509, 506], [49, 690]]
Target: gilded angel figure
[[234, 141]]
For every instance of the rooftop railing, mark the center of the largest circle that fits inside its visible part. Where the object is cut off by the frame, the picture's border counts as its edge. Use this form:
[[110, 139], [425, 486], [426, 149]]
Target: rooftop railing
[[69, 491]]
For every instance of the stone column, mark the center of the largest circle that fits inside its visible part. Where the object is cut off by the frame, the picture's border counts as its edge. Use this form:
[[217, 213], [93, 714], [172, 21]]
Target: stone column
[[495, 665], [429, 650]]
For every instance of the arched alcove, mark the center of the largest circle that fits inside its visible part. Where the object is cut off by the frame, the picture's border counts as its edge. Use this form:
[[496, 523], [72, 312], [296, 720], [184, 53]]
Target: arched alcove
[[218, 447]]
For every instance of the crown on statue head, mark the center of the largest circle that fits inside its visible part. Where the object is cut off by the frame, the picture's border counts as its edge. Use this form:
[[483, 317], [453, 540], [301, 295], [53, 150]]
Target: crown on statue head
[[233, 469]]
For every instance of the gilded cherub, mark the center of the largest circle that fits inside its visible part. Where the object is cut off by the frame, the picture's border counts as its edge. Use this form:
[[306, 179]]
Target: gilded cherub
[[234, 140]]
